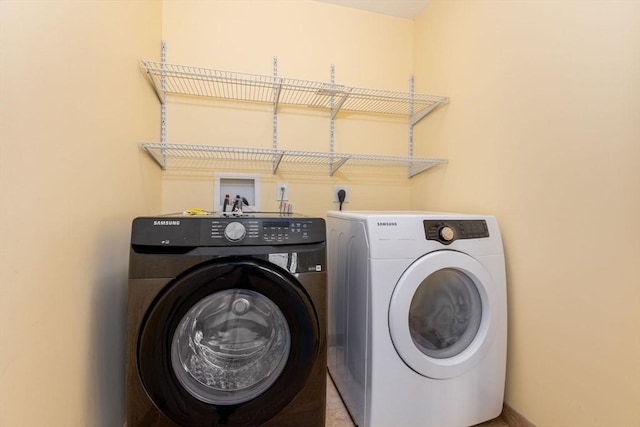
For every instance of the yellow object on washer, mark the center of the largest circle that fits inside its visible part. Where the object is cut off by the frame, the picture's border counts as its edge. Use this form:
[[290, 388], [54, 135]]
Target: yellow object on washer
[[196, 211]]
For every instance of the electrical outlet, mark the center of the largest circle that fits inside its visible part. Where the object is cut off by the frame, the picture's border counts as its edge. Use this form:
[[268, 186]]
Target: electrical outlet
[[337, 188], [279, 193]]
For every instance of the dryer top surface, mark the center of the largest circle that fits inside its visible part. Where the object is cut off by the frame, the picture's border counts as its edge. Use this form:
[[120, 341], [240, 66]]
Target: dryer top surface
[[369, 215]]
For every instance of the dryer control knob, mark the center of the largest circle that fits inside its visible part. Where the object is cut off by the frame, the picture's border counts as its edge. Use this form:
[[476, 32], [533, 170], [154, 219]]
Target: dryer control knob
[[446, 233], [235, 231]]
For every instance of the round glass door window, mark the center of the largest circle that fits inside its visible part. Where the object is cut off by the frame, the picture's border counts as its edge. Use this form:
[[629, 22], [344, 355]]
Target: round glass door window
[[230, 347], [442, 314], [445, 313]]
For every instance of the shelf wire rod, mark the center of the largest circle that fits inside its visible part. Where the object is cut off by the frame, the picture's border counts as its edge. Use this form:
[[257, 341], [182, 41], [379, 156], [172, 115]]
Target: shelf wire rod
[[332, 129], [197, 87], [177, 84], [182, 86], [274, 144], [223, 87], [263, 91], [311, 95], [249, 91], [185, 83], [207, 85], [163, 106], [201, 84], [264, 88], [410, 130], [301, 94], [210, 85], [232, 89], [192, 83], [240, 90], [217, 87], [295, 97]]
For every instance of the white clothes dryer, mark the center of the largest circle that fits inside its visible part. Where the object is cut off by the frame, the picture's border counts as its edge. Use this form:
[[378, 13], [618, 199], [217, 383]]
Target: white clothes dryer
[[417, 321]]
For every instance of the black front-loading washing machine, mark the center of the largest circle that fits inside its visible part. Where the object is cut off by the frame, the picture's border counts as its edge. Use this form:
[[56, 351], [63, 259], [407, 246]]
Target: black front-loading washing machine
[[226, 321]]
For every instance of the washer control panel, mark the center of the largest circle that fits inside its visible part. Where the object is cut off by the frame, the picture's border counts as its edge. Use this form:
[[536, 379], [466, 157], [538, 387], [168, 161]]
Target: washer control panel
[[448, 231], [251, 231], [203, 231]]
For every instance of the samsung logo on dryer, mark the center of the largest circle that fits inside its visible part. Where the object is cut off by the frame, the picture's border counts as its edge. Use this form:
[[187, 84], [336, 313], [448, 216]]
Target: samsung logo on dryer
[[166, 222], [387, 224]]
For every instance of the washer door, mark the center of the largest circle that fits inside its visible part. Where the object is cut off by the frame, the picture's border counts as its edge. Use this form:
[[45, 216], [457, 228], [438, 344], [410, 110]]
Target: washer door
[[230, 342], [441, 319]]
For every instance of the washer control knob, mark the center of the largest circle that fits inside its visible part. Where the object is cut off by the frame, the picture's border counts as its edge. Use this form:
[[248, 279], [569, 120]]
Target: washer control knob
[[235, 231], [446, 233]]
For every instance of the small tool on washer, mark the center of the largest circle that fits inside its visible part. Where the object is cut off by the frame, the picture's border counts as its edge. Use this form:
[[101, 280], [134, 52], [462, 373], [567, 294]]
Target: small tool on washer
[[226, 203]]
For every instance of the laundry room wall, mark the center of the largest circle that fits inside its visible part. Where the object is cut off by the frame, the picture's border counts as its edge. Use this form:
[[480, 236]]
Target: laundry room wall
[[543, 131], [367, 49], [73, 108]]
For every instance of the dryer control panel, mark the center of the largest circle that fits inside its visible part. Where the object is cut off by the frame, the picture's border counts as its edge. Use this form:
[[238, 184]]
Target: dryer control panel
[[449, 231]]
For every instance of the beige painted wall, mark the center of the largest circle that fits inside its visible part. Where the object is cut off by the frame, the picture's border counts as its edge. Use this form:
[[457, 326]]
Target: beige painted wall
[[367, 50], [543, 130], [73, 107]]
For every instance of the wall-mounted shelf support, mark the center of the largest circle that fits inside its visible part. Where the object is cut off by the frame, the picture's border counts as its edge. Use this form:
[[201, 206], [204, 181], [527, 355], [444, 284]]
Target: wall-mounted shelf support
[[277, 158], [333, 166], [415, 118], [343, 98], [163, 105], [173, 79], [410, 131], [205, 156], [274, 116], [336, 163], [212, 83]]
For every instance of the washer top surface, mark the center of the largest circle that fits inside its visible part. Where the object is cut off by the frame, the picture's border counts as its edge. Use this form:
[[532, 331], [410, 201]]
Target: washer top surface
[[244, 215]]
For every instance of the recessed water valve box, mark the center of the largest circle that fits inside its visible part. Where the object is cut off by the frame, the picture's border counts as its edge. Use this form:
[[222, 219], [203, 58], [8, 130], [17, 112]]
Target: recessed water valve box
[[245, 185]]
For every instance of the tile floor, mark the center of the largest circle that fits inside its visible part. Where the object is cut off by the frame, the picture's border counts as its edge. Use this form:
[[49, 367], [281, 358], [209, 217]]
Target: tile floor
[[337, 415]]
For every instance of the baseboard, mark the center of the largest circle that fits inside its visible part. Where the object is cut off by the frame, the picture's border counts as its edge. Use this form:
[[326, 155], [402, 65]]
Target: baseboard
[[513, 418]]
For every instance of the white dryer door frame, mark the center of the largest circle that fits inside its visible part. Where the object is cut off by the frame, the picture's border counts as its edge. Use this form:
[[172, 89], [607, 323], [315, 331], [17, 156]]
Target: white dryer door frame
[[399, 308]]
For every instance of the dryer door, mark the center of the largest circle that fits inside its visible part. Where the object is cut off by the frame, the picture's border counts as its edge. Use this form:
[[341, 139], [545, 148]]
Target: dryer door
[[442, 315], [229, 343]]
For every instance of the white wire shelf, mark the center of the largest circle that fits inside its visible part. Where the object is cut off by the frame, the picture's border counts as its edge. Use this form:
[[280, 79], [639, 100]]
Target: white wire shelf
[[205, 82], [180, 155]]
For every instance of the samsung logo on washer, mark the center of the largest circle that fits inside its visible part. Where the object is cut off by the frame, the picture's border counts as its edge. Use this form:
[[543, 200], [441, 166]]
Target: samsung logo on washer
[[165, 222], [387, 224]]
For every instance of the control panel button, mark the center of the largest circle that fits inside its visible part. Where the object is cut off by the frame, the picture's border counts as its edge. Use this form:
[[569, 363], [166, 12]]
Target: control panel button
[[235, 231], [446, 233]]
